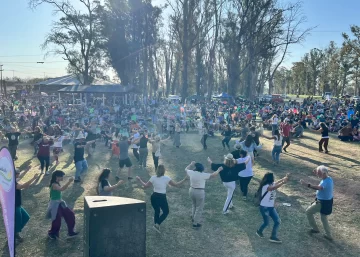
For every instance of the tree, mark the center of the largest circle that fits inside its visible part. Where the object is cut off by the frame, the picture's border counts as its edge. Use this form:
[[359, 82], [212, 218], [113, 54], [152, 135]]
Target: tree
[[76, 36]]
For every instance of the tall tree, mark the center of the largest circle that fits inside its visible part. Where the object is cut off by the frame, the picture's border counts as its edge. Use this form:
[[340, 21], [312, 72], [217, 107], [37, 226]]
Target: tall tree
[[76, 36]]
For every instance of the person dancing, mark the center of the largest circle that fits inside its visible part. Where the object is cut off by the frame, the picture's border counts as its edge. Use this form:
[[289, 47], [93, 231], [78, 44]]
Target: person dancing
[[324, 141], [57, 207], [227, 137], [104, 188], [21, 216], [197, 190], [277, 146], [267, 192], [158, 198]]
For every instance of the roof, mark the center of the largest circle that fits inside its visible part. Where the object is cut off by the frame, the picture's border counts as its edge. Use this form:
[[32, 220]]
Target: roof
[[70, 80], [114, 88]]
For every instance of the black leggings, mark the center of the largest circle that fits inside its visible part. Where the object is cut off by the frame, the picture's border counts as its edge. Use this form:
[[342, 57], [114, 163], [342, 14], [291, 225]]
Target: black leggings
[[156, 161], [203, 141], [159, 201], [244, 183], [324, 141], [136, 153], [44, 161]]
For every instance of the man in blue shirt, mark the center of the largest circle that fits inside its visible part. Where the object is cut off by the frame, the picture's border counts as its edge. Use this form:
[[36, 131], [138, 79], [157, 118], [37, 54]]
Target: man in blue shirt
[[323, 203]]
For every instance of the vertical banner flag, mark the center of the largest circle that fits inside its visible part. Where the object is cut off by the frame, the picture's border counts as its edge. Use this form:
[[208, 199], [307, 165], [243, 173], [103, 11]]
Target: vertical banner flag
[[7, 196]]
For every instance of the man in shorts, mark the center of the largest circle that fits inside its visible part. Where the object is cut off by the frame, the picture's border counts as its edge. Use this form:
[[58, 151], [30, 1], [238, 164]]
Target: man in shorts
[[124, 159]]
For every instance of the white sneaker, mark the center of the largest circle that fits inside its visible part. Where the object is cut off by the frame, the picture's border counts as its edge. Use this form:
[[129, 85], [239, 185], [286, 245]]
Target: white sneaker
[[231, 207], [157, 228], [226, 212], [47, 173]]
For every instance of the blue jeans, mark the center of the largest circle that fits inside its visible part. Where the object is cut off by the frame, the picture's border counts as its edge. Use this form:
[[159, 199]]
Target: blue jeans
[[266, 212], [81, 167], [276, 153], [21, 218]]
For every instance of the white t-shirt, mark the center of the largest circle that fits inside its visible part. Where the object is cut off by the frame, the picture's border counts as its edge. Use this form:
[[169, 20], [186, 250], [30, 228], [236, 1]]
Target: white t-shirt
[[248, 172], [274, 121], [160, 183], [58, 142], [269, 199], [197, 179], [278, 141]]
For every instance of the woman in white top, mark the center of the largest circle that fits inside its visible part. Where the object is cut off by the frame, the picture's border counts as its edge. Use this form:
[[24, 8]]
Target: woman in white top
[[197, 189], [277, 146], [274, 123], [158, 198], [267, 189]]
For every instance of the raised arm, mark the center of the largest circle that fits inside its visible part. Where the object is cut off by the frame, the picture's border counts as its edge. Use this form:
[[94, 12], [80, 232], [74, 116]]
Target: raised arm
[[189, 166], [145, 185], [64, 187], [177, 184], [214, 174], [111, 188], [278, 184]]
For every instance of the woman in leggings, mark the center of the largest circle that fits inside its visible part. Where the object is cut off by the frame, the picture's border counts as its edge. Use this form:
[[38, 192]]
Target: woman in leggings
[[158, 198], [44, 154], [324, 137]]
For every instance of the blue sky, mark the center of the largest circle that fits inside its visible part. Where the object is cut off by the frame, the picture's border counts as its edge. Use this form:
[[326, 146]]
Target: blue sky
[[22, 31]]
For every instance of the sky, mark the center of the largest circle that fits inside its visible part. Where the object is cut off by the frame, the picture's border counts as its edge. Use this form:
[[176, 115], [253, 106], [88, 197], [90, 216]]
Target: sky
[[22, 31]]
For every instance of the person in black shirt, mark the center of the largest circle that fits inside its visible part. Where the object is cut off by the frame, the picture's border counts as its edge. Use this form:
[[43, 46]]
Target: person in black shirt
[[228, 175], [143, 151], [21, 216], [80, 162], [13, 138], [227, 137], [324, 137]]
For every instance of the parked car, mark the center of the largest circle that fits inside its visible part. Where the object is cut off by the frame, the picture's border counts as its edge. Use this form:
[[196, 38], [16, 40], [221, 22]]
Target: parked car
[[276, 99], [284, 96], [356, 98], [265, 98]]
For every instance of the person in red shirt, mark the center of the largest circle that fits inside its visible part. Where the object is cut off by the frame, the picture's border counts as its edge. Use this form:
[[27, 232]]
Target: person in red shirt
[[285, 128], [44, 154]]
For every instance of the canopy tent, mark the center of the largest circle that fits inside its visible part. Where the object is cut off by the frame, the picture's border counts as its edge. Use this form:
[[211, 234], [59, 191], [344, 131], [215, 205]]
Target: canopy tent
[[70, 80], [223, 95], [195, 97]]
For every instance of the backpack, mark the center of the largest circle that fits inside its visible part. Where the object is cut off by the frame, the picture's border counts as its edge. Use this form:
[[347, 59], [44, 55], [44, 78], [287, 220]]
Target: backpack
[[258, 197]]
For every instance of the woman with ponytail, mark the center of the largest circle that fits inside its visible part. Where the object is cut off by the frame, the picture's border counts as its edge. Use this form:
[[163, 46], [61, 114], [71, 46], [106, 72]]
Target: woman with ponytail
[[104, 188], [57, 207]]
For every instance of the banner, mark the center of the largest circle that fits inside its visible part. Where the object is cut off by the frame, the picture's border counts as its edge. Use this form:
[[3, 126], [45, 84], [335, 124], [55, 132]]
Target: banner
[[7, 196]]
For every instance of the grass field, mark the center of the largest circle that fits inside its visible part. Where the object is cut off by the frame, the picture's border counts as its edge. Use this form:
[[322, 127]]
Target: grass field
[[232, 235]]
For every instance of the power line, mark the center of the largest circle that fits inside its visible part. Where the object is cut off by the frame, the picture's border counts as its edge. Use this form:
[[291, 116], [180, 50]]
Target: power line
[[19, 55], [36, 62]]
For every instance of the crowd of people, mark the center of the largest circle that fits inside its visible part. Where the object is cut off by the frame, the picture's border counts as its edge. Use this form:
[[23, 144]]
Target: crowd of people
[[51, 124]]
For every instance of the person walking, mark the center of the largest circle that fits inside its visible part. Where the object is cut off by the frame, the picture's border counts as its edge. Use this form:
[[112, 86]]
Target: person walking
[[177, 141], [324, 141], [13, 138], [21, 215], [267, 190], [323, 203], [143, 150], [158, 197], [104, 188], [228, 175], [58, 209], [44, 154], [227, 137], [197, 190], [285, 128], [277, 146], [204, 135]]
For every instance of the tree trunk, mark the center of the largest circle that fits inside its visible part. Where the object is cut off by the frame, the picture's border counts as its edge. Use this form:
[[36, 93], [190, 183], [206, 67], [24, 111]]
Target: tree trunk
[[185, 48], [198, 69]]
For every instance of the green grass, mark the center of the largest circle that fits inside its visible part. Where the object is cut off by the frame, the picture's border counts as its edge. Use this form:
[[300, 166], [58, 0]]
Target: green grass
[[232, 235]]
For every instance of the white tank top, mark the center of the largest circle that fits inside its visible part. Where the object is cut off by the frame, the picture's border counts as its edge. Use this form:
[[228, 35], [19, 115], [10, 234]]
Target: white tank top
[[278, 141]]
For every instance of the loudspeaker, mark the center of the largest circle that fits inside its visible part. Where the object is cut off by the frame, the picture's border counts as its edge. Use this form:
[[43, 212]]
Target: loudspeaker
[[114, 227]]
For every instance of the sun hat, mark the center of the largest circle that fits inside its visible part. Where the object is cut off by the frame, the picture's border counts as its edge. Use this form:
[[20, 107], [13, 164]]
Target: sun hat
[[229, 157], [237, 146]]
